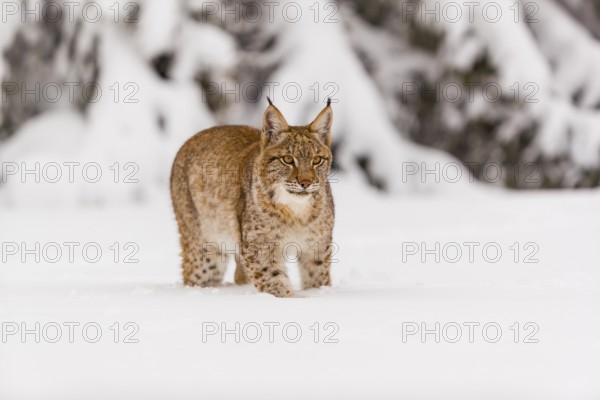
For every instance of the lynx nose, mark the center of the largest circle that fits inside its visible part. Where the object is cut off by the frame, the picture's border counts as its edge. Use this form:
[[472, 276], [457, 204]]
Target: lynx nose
[[305, 183]]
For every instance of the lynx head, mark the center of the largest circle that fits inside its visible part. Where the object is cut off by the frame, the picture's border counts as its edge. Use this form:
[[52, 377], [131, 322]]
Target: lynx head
[[294, 160]]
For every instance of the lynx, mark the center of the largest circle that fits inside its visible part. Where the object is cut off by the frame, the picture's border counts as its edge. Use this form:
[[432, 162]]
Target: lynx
[[262, 196]]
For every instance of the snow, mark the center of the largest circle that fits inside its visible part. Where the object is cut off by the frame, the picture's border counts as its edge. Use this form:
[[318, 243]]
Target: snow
[[386, 279], [536, 48], [361, 123], [122, 124], [377, 287], [141, 119]]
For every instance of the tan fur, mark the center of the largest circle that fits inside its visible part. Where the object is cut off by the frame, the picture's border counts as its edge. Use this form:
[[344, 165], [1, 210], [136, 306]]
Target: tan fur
[[233, 193]]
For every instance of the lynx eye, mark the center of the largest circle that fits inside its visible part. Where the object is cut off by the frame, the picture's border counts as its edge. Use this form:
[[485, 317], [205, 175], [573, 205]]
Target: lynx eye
[[317, 160], [288, 160]]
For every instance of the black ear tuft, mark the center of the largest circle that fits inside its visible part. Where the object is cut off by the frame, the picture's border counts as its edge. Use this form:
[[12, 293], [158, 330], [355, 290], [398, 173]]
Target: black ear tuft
[[328, 101], [269, 100]]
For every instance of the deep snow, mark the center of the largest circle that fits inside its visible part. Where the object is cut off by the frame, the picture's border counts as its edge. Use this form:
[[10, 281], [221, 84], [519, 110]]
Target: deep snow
[[373, 294]]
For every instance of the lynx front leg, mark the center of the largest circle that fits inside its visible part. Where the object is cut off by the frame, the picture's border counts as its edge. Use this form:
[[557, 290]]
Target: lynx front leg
[[315, 266], [204, 265], [266, 270], [240, 277]]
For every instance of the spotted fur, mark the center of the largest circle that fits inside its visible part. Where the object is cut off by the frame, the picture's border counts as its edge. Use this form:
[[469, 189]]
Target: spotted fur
[[256, 194]]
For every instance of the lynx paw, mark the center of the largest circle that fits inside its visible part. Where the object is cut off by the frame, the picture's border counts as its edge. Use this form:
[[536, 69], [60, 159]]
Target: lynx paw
[[277, 289], [281, 292]]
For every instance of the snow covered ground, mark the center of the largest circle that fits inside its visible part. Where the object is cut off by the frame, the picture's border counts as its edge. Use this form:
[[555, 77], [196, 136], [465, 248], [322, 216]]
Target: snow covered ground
[[367, 345], [451, 290]]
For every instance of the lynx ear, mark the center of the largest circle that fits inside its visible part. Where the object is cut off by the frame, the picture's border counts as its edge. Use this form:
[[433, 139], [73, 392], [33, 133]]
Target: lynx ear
[[273, 123], [322, 124]]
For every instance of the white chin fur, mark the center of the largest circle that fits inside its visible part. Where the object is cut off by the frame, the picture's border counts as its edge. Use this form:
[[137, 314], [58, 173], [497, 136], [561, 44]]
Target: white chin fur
[[298, 203]]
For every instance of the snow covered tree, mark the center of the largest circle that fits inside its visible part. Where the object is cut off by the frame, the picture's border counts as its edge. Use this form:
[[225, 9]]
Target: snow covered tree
[[417, 82], [504, 83]]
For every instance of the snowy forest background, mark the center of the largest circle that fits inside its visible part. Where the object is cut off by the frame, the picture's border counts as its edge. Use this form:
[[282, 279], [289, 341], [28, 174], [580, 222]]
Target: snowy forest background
[[461, 131], [416, 86]]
